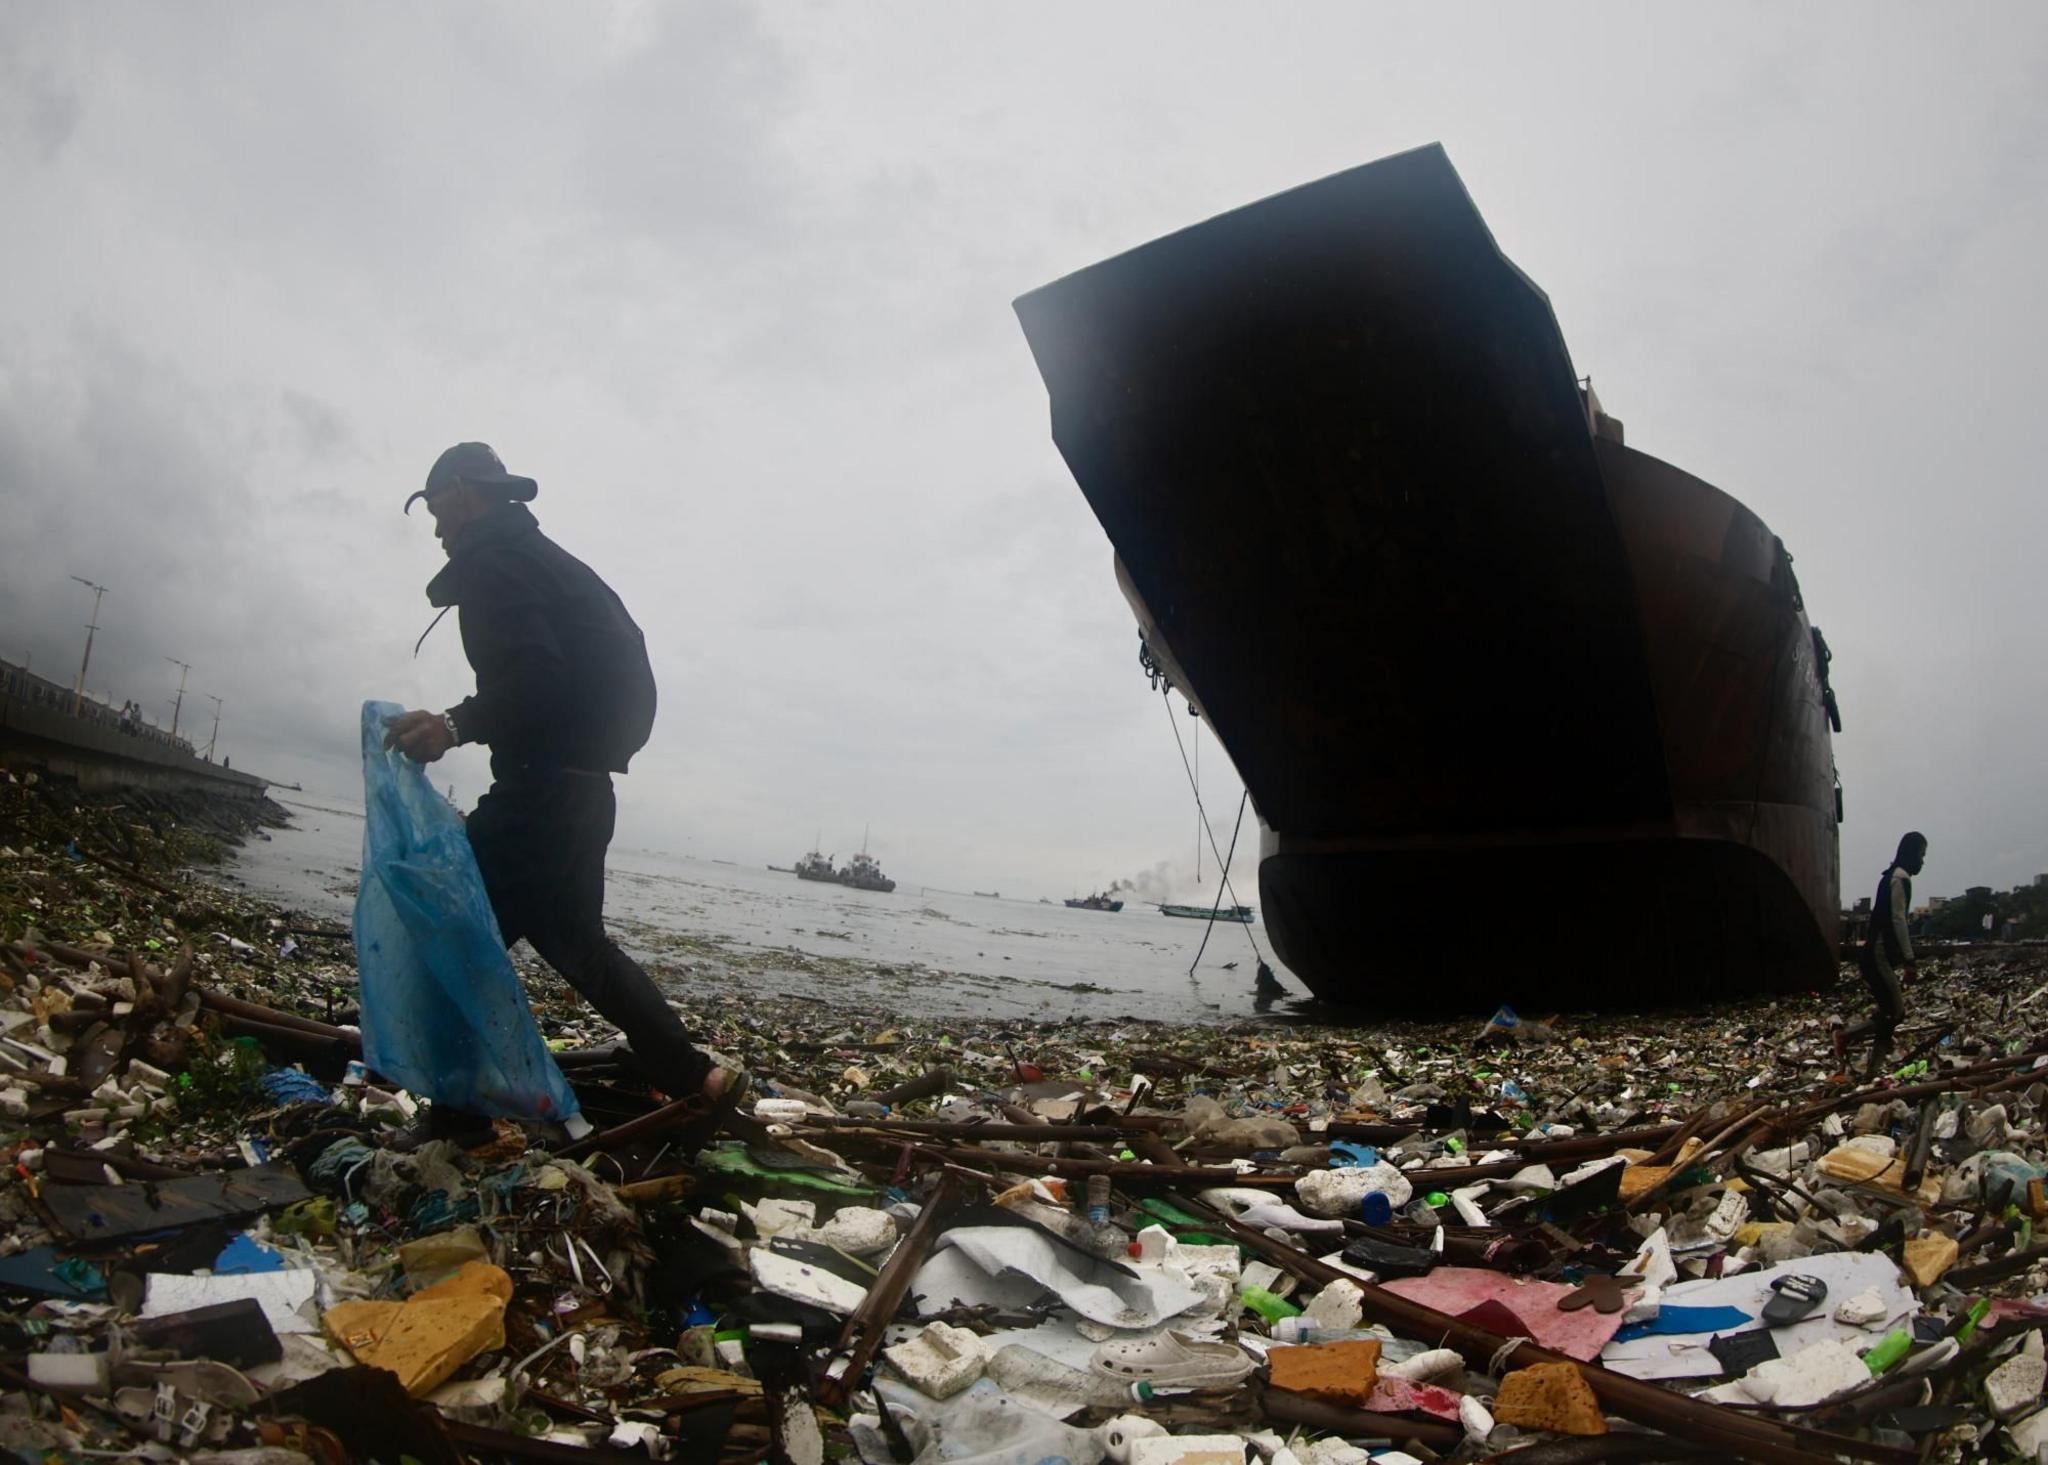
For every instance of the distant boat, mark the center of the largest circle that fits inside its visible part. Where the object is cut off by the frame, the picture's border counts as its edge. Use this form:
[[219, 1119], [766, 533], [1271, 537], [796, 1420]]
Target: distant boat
[[815, 866], [783, 869], [1096, 902], [1240, 913], [989, 894], [864, 872]]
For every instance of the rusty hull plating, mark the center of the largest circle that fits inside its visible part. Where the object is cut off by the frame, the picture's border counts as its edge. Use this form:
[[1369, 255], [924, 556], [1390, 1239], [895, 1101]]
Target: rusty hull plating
[[1526, 714]]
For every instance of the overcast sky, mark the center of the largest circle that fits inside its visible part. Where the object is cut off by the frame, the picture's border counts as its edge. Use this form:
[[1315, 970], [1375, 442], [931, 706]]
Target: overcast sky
[[734, 284]]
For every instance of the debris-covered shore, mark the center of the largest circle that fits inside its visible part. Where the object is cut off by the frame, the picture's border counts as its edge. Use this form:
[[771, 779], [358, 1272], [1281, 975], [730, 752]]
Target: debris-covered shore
[[1583, 1238]]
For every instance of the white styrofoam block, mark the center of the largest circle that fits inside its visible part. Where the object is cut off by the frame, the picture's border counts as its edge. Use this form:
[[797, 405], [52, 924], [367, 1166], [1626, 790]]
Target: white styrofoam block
[[2015, 1384], [86, 1371], [940, 1361], [1188, 1449], [788, 1277]]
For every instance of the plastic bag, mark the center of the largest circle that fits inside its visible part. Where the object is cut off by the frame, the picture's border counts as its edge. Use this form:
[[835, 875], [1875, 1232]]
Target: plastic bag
[[443, 1011]]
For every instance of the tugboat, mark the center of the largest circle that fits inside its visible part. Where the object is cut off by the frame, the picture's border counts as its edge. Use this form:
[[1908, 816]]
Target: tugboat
[[815, 866], [1095, 902], [1521, 709], [864, 872]]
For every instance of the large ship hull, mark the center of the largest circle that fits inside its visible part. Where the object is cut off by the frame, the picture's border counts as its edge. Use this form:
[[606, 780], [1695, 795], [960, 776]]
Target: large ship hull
[[1525, 714]]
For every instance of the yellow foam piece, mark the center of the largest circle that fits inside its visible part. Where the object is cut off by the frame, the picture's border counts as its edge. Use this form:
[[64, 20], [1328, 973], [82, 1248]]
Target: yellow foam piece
[[428, 1336]]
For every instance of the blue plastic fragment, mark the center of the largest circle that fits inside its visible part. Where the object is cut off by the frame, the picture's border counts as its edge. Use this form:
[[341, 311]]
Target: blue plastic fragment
[[295, 1086], [1344, 1154], [1671, 1319], [245, 1255], [443, 1011]]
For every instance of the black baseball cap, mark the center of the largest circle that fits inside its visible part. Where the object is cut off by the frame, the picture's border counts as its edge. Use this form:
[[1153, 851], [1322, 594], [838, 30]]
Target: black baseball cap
[[478, 464]]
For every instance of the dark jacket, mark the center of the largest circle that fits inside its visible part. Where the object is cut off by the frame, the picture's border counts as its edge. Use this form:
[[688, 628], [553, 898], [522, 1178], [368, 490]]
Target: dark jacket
[[1889, 908], [562, 679]]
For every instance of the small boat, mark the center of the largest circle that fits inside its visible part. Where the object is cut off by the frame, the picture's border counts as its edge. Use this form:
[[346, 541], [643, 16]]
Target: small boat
[[1095, 902], [989, 894], [864, 872], [1239, 913], [783, 869], [815, 866]]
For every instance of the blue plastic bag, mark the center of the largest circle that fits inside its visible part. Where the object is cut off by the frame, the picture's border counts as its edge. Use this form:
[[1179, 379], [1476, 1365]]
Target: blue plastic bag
[[443, 1011]]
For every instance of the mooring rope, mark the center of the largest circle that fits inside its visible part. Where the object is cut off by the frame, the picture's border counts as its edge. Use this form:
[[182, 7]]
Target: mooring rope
[[1166, 696]]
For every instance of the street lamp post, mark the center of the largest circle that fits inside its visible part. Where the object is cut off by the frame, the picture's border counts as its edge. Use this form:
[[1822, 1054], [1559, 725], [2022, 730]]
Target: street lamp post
[[185, 670], [78, 691], [216, 726]]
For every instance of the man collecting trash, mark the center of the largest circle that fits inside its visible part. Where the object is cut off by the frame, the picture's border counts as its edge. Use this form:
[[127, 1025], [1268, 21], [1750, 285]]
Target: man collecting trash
[[564, 698]]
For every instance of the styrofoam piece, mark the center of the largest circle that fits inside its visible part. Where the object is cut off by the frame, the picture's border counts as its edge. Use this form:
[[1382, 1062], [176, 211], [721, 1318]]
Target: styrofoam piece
[[1530, 1177], [1219, 1261], [2015, 1385], [1188, 1449], [1652, 1262], [1864, 1310], [1124, 1431], [1338, 1308], [82, 1371], [1155, 1243], [940, 1361], [1811, 1376], [2030, 1436], [1263, 1275], [1335, 1451], [1339, 1192], [774, 1215], [1589, 1169], [285, 1297], [788, 1277], [1728, 1216], [1477, 1420], [857, 1230]]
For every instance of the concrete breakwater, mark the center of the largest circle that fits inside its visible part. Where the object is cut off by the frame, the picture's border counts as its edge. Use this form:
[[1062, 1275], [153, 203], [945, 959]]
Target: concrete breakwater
[[39, 729]]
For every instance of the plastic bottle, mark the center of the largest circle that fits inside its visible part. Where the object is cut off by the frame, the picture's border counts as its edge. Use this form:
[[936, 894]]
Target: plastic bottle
[[1889, 1351], [1098, 1199], [1266, 1305]]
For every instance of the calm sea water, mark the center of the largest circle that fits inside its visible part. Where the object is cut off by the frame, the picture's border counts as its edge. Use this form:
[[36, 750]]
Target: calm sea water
[[712, 926]]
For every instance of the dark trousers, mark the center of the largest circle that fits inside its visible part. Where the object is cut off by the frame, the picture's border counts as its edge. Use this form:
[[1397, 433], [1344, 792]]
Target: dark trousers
[[540, 840], [1884, 987]]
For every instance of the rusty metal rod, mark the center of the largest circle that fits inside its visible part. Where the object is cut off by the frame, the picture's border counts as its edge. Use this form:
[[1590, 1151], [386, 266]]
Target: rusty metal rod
[[864, 1329]]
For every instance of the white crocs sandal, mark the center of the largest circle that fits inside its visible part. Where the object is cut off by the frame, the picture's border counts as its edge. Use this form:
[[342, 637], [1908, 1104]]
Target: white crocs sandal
[[1173, 1360]]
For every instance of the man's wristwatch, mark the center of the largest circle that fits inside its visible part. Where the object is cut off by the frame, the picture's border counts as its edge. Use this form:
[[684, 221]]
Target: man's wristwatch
[[454, 732]]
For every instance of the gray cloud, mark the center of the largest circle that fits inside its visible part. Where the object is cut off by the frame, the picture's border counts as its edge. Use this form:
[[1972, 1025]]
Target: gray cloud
[[734, 282]]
